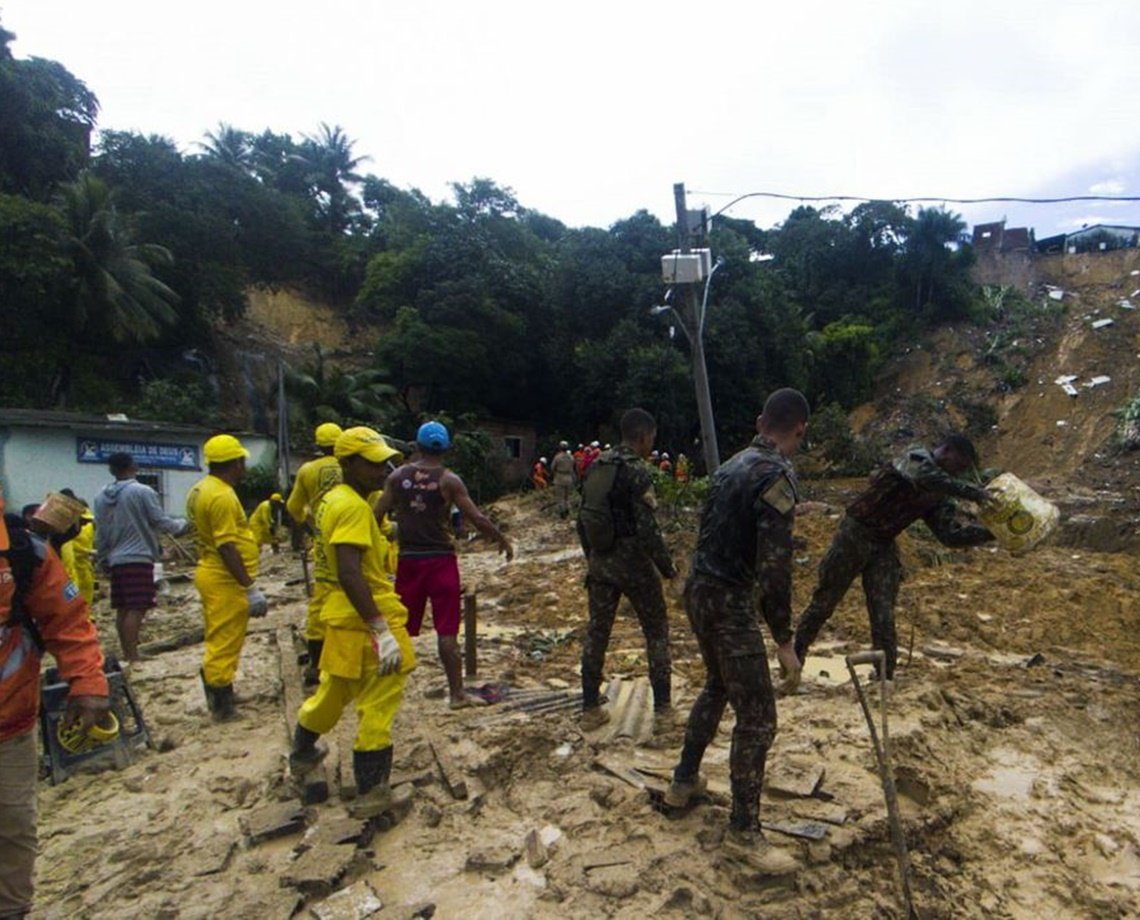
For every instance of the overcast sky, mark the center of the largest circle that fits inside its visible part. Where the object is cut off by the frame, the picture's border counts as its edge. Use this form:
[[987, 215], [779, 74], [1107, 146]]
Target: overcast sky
[[592, 110]]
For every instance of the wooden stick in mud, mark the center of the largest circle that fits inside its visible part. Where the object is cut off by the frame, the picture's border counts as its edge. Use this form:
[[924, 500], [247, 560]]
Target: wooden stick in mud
[[886, 771], [470, 664], [314, 786]]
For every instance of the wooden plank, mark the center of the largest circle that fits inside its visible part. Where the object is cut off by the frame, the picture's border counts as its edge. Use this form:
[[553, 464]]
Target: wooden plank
[[314, 786], [452, 781]]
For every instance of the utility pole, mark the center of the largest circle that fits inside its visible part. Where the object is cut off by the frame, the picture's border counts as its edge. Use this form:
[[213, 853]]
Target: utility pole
[[696, 340]]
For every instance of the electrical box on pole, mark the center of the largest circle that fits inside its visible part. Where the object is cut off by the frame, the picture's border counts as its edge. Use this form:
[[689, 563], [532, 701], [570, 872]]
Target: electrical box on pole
[[691, 267]]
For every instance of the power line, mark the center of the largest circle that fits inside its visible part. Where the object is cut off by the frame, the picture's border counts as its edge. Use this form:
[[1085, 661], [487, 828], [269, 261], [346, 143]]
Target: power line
[[915, 200]]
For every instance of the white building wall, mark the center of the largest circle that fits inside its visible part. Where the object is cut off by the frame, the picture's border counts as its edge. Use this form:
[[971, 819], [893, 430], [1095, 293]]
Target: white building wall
[[35, 461]]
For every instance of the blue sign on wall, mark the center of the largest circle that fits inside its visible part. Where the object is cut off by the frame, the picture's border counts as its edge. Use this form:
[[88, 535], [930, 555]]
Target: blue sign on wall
[[146, 453]]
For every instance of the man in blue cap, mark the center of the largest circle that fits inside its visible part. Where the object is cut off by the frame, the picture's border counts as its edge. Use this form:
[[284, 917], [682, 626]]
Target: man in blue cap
[[420, 494]]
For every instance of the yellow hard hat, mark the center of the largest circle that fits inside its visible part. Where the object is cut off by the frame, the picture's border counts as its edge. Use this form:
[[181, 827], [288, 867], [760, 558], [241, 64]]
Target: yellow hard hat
[[276, 497], [77, 740], [327, 433], [222, 448], [366, 443]]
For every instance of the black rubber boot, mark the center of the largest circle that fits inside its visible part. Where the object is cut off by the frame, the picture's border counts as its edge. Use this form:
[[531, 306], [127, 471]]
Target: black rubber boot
[[372, 770], [312, 675], [306, 755], [223, 710], [208, 690]]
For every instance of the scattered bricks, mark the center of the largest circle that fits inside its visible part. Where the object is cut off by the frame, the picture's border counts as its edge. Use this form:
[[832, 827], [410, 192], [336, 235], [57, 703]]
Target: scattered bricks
[[793, 780], [356, 902], [536, 852], [613, 881], [213, 855], [490, 860], [449, 772], [400, 808], [275, 820], [431, 814], [417, 778], [340, 832], [317, 871]]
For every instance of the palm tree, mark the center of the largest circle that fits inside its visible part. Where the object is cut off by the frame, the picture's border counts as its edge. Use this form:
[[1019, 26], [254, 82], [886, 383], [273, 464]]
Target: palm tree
[[230, 146], [115, 291], [331, 168], [332, 394]]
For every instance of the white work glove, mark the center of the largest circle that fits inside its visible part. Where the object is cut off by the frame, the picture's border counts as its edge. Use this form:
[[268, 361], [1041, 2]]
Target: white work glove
[[386, 647], [258, 605]]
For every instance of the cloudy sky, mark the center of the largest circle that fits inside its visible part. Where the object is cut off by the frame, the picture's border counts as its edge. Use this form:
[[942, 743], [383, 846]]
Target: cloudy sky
[[592, 110]]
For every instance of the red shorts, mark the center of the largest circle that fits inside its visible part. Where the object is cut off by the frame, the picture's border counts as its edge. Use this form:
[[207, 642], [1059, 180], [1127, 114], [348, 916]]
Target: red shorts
[[132, 586], [434, 578]]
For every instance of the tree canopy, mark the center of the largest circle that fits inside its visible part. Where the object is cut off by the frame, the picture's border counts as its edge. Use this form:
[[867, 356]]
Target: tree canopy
[[121, 254]]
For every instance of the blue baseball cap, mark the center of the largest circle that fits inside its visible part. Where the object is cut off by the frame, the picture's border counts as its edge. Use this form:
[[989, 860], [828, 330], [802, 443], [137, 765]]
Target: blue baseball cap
[[433, 437]]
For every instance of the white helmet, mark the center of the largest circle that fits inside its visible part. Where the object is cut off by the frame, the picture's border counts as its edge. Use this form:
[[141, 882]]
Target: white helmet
[[542, 460]]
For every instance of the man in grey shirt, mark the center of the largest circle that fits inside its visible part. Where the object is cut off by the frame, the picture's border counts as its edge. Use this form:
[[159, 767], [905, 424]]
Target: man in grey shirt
[[128, 520]]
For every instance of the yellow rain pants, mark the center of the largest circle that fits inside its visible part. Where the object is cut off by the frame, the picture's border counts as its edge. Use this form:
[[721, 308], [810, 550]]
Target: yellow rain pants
[[348, 673], [225, 610]]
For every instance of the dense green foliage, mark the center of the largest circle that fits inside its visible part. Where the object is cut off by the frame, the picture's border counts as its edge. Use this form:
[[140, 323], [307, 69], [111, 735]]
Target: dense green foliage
[[118, 262]]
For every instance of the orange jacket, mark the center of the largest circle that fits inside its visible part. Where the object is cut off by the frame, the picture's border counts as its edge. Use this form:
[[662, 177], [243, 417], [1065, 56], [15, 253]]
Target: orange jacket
[[60, 613]]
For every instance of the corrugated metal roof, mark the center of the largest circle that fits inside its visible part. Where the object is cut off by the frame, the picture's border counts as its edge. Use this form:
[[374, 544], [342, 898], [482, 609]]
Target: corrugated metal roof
[[50, 418]]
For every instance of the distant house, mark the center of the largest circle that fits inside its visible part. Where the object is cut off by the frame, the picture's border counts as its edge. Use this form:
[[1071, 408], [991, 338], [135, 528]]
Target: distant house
[[995, 238], [1102, 238], [42, 451]]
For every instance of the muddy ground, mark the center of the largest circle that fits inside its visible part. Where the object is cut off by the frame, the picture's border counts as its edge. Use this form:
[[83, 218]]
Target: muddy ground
[[1014, 725]]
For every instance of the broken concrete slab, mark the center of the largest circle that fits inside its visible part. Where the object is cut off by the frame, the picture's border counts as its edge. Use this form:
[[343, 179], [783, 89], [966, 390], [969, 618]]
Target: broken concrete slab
[[317, 871], [356, 902], [213, 855], [275, 820], [807, 830], [338, 832], [793, 780], [943, 652]]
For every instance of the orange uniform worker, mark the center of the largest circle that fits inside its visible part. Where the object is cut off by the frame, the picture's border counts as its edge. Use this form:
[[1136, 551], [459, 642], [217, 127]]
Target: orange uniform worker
[[227, 566], [38, 604], [538, 474], [367, 653], [314, 479], [681, 470]]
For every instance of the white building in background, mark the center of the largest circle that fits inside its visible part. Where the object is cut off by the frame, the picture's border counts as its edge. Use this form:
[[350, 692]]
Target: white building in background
[[43, 452]]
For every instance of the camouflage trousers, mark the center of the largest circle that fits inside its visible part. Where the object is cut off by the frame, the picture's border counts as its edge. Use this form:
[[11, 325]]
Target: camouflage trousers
[[853, 552], [629, 572], [727, 627]]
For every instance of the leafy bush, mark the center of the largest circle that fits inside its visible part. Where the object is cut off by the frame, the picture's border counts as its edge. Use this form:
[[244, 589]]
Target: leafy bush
[[187, 401], [845, 452], [1128, 424], [257, 485]]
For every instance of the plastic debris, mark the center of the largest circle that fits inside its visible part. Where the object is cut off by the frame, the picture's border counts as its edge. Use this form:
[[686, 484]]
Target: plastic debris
[[1061, 423], [1101, 323], [1098, 381], [1065, 378]]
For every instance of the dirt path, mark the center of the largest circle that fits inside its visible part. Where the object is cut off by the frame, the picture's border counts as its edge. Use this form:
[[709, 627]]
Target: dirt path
[[1019, 783]]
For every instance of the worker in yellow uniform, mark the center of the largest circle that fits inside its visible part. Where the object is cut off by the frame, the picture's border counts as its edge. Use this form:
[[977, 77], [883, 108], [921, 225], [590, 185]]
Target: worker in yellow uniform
[[78, 556], [265, 522], [367, 653], [314, 478], [227, 566]]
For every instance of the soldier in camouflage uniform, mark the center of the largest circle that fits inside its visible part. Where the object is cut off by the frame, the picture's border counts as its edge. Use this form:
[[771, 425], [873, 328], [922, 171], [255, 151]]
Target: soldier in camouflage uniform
[[630, 566], [743, 560], [919, 484]]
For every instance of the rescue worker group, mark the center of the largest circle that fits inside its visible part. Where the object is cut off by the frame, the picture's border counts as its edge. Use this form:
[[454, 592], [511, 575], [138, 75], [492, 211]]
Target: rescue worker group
[[383, 527]]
